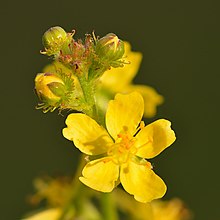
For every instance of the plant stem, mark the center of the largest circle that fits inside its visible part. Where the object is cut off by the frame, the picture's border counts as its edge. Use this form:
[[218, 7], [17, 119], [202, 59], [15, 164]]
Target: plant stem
[[76, 186], [108, 207], [88, 88], [88, 93]]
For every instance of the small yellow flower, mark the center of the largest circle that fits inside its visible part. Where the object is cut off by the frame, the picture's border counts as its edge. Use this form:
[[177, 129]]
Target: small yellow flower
[[173, 209], [54, 190], [43, 83], [122, 149], [50, 214], [120, 80]]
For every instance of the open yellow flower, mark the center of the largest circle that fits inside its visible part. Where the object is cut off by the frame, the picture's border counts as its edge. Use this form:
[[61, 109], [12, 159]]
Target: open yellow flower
[[122, 149], [120, 80]]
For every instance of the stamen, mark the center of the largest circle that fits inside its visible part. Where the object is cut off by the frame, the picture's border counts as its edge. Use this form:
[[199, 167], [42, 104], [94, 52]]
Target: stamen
[[148, 164], [123, 149], [141, 126], [107, 160]]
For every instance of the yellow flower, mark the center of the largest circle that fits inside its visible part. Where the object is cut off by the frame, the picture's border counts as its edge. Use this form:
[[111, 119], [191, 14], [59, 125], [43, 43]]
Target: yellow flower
[[121, 160], [54, 190], [173, 209], [50, 214], [120, 80], [43, 84]]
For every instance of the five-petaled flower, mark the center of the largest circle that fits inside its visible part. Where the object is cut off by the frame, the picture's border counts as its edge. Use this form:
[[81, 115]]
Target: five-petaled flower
[[122, 149]]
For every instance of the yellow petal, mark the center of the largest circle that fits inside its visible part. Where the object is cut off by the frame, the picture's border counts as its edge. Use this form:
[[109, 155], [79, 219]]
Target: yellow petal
[[154, 138], [87, 134], [151, 98], [50, 214], [124, 113], [142, 182], [116, 78], [100, 174]]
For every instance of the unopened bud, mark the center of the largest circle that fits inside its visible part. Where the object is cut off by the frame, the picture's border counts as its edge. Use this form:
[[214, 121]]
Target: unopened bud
[[110, 47], [49, 87], [54, 39]]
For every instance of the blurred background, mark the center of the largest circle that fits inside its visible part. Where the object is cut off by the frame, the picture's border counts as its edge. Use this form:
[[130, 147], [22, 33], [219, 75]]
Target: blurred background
[[180, 44]]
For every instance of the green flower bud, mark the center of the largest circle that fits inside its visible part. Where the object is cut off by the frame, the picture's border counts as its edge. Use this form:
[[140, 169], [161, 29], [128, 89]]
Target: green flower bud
[[49, 87], [110, 47], [55, 39]]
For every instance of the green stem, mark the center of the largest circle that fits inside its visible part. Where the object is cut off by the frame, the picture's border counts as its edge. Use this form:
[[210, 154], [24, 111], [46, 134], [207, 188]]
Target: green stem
[[76, 183], [76, 186], [88, 93], [88, 88], [108, 207]]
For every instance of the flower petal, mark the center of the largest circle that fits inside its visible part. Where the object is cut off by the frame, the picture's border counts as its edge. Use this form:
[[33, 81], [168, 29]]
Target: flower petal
[[87, 134], [151, 98], [50, 214], [124, 112], [154, 138], [142, 182], [116, 78], [100, 174]]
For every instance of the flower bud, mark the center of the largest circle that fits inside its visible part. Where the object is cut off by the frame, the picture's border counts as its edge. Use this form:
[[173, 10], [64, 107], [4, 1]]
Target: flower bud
[[49, 87], [110, 47], [54, 39]]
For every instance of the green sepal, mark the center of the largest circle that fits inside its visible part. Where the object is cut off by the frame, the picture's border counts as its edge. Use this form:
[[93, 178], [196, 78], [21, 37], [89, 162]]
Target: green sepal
[[57, 88]]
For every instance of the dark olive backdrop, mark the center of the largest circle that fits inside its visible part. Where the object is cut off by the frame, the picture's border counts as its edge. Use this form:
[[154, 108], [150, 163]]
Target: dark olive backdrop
[[180, 43]]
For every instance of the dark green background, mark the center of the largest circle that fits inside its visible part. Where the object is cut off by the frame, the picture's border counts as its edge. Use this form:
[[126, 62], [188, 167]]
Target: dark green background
[[180, 43]]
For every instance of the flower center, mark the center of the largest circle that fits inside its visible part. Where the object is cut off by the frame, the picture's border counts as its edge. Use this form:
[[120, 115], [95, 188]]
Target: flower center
[[123, 149]]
